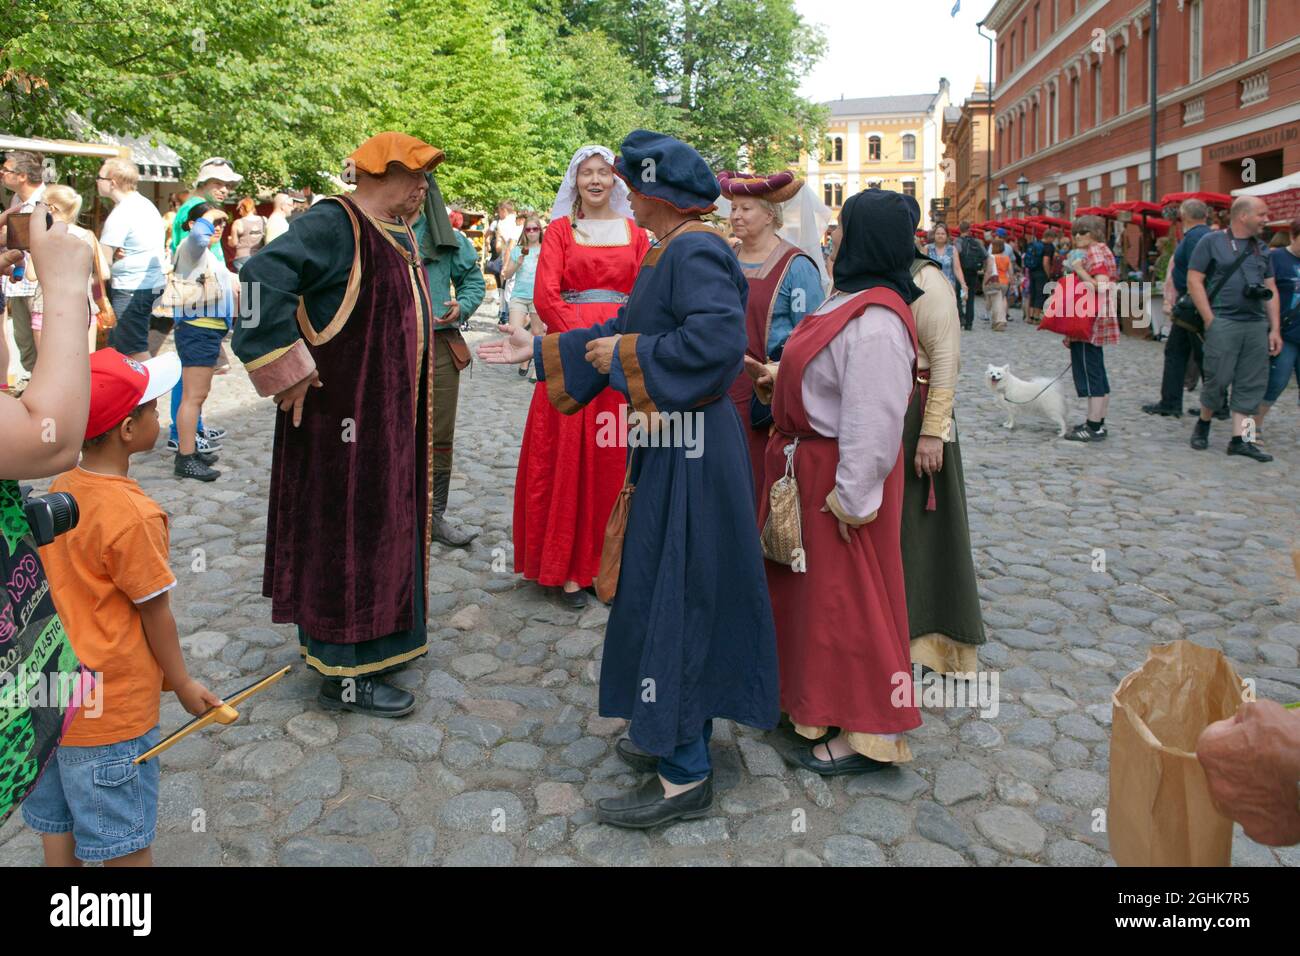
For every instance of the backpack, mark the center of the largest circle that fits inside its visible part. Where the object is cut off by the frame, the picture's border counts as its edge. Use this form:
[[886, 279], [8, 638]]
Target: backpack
[[1034, 256], [972, 255]]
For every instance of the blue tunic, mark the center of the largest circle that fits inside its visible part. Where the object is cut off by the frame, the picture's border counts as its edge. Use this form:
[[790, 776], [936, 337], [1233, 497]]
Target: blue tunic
[[690, 636]]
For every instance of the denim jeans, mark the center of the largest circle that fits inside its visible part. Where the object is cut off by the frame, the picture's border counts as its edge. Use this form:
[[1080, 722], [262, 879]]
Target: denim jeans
[[1283, 365], [689, 762]]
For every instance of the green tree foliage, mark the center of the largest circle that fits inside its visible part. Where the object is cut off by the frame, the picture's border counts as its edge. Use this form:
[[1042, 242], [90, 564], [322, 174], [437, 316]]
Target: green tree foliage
[[507, 88]]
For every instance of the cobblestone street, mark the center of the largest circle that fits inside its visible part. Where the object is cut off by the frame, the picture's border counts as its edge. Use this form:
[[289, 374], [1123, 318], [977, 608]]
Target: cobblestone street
[[505, 756]]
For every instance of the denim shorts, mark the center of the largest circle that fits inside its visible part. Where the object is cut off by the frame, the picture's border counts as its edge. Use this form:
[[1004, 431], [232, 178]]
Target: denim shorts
[[98, 794], [134, 309], [198, 347]]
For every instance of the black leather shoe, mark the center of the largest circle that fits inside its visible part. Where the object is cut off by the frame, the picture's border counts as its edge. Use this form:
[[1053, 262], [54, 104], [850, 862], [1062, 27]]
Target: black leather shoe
[[190, 466], [837, 766], [1249, 449], [574, 599], [1155, 408], [1201, 435], [646, 806], [635, 757], [365, 695]]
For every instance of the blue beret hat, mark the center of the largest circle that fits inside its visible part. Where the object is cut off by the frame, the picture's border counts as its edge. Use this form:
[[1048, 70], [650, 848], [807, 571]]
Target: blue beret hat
[[666, 169]]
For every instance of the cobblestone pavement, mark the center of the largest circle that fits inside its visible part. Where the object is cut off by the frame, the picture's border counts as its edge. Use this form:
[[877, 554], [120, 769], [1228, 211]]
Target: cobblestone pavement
[[505, 755]]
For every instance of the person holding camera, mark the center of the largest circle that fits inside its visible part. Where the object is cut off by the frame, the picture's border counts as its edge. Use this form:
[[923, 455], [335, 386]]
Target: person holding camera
[[1242, 324], [41, 435]]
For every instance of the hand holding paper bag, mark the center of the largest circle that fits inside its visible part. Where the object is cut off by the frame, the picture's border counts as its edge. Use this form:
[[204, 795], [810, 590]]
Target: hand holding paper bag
[[1252, 765]]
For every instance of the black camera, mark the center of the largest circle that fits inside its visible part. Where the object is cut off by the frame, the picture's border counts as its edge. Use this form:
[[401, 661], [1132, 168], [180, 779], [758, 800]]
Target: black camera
[[50, 515], [1257, 290]]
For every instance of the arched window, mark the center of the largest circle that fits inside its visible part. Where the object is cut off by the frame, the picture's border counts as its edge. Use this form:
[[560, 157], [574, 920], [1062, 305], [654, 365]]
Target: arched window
[[873, 148], [827, 195], [839, 195], [909, 147], [834, 151]]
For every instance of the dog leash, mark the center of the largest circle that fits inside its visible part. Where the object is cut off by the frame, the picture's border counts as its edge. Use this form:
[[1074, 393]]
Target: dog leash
[[1045, 388]]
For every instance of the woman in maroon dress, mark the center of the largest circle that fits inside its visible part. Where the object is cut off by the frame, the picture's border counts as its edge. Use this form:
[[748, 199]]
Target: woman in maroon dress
[[841, 395], [568, 479], [784, 286]]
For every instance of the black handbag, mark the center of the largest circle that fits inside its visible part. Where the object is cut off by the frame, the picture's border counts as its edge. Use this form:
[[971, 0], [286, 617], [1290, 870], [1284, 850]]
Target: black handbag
[[1186, 315]]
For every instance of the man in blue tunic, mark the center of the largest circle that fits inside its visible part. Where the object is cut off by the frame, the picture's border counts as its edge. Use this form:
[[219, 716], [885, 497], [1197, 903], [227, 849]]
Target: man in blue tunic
[[690, 636]]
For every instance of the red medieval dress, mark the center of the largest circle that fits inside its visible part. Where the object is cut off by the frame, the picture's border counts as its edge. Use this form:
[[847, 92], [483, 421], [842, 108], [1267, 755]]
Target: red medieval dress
[[567, 481], [843, 644]]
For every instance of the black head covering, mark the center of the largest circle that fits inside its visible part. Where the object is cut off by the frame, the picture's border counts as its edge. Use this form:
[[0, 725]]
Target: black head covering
[[876, 243]]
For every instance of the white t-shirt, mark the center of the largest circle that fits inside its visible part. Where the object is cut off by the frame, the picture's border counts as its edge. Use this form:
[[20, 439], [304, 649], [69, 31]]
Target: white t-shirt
[[276, 225], [136, 227], [508, 230]]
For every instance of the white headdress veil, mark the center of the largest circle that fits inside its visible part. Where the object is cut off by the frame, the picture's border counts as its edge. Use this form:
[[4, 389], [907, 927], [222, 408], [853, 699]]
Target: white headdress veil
[[563, 205], [804, 223]]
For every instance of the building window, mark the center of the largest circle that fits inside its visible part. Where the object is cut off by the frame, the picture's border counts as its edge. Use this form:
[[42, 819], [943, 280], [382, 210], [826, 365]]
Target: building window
[[1033, 138], [1021, 153], [1053, 118], [1024, 39], [1037, 34], [1192, 181], [1144, 190], [1119, 194], [834, 149], [1074, 205], [873, 148], [909, 147], [1256, 17], [827, 197], [839, 194], [909, 188], [1121, 79], [1096, 94], [1074, 105], [1056, 14], [1094, 197], [1194, 31]]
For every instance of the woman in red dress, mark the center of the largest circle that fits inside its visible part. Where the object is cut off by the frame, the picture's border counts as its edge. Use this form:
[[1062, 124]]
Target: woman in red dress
[[567, 479]]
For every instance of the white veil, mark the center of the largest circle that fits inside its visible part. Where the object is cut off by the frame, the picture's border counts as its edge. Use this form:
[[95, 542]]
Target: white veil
[[804, 223], [563, 205]]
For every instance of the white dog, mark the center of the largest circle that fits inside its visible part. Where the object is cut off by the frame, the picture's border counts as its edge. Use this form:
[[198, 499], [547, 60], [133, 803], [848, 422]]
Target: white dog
[[1017, 396]]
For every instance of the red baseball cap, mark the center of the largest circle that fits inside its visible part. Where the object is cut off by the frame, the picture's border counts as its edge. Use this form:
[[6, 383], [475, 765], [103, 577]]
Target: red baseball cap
[[118, 384]]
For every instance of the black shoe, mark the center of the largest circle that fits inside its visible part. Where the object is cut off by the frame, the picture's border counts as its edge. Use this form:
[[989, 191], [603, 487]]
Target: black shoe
[[1201, 435], [1223, 414], [191, 466], [365, 695], [837, 766], [1085, 434], [574, 599], [1249, 449], [1155, 408], [635, 757], [207, 457], [646, 806]]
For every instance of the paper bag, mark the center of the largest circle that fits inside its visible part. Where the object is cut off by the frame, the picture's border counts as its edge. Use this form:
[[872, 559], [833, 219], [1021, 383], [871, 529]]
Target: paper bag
[[1160, 811]]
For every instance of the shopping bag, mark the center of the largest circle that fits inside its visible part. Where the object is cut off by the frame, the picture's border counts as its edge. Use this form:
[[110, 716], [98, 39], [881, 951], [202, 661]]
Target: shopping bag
[[1070, 309], [1160, 811]]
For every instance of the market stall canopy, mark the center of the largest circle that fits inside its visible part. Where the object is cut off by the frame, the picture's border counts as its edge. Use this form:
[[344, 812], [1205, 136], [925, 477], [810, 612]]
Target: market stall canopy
[[1281, 195], [1217, 200], [1106, 212], [157, 162], [1138, 206]]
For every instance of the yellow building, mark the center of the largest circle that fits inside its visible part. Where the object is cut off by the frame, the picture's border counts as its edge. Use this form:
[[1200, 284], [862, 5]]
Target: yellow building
[[894, 142]]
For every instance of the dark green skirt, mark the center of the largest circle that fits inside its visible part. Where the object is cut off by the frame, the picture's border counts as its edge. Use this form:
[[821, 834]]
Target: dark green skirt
[[939, 573]]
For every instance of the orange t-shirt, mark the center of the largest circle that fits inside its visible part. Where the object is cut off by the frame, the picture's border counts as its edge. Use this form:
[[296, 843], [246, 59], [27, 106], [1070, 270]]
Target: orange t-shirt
[[1002, 264], [114, 559]]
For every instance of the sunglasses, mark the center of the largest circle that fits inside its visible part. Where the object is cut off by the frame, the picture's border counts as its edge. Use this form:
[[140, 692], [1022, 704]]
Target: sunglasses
[[532, 229], [218, 223]]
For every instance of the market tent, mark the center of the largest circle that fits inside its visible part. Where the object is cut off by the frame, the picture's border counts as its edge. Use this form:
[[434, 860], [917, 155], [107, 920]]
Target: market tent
[[1215, 200], [1281, 195]]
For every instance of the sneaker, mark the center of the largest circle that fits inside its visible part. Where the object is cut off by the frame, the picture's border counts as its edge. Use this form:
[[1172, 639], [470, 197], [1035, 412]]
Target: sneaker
[[213, 434], [1249, 449], [201, 445], [190, 466], [1085, 434]]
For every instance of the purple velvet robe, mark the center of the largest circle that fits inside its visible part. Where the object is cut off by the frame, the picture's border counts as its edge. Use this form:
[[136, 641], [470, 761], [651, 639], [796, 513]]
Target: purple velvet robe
[[350, 494]]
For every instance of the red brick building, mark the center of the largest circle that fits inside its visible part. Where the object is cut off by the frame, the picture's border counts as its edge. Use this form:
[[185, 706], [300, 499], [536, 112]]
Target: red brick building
[[1072, 110]]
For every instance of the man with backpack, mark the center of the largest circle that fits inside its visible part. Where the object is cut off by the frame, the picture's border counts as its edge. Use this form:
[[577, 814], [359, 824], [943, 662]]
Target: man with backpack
[[972, 255], [1035, 263]]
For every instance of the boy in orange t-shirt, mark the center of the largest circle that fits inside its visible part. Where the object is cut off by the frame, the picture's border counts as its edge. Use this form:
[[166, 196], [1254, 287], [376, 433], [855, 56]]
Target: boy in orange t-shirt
[[110, 579]]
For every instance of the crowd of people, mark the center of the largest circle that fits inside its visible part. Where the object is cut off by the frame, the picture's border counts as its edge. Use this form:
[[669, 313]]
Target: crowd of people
[[801, 562]]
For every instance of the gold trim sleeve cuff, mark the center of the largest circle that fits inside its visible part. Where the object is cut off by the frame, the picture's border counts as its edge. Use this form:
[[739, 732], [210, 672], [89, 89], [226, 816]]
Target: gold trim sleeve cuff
[[553, 368], [833, 502], [937, 419], [632, 373], [283, 368]]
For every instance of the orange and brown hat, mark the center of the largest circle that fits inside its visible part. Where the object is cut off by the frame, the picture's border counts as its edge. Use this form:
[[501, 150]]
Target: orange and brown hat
[[776, 187], [374, 155]]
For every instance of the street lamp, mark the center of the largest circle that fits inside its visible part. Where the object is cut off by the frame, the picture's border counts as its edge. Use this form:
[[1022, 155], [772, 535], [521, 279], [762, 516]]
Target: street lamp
[[1002, 195], [1022, 187]]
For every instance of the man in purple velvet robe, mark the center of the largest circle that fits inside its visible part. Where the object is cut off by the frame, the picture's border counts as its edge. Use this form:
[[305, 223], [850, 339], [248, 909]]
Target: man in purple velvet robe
[[342, 339]]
